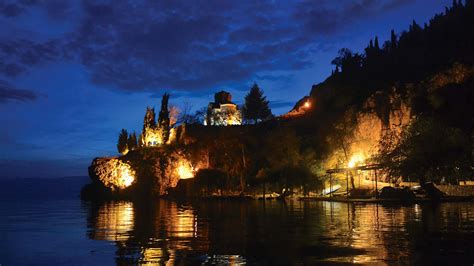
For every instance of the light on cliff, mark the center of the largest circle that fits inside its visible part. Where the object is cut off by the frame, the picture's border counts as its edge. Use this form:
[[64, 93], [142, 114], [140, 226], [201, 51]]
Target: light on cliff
[[185, 170], [114, 173], [153, 140], [355, 160], [307, 104], [126, 177]]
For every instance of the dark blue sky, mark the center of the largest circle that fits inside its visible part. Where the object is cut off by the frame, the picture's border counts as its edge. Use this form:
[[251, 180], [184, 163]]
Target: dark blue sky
[[73, 73]]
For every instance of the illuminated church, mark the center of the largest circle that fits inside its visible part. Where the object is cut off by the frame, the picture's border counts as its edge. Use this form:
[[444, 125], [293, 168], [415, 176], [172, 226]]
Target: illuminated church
[[223, 112]]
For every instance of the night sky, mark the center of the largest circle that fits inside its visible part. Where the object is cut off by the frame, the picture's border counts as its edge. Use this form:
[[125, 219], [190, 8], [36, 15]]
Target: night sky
[[73, 73]]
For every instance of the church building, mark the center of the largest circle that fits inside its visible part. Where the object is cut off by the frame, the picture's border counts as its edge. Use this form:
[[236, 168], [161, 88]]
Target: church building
[[223, 112]]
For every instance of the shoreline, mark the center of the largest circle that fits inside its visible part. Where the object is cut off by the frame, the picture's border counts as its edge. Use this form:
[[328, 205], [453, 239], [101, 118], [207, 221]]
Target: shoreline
[[380, 200]]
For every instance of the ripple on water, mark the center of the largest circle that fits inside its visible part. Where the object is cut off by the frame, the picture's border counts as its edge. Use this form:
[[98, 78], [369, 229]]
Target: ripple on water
[[235, 232]]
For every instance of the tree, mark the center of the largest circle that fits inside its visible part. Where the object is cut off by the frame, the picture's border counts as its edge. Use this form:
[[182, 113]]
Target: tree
[[348, 61], [132, 142], [174, 114], [209, 181], [149, 120], [164, 118], [122, 146], [184, 116], [376, 43], [393, 41], [281, 151], [256, 106], [428, 151], [199, 116]]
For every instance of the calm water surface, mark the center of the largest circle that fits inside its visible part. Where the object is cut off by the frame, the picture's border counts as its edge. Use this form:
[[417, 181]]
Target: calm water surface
[[68, 231]]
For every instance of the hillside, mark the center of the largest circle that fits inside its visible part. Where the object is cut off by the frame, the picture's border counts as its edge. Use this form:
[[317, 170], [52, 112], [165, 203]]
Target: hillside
[[387, 107], [423, 74]]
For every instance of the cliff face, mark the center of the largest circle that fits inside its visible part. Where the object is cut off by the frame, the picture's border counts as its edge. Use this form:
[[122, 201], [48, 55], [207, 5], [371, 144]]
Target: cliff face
[[144, 172], [112, 173], [354, 138], [371, 127], [364, 133]]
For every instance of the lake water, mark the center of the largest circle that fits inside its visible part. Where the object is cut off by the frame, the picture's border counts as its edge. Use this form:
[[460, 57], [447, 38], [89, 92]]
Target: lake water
[[61, 229]]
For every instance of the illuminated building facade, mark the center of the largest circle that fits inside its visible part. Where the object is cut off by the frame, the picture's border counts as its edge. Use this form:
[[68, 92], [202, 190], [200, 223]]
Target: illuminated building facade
[[222, 112]]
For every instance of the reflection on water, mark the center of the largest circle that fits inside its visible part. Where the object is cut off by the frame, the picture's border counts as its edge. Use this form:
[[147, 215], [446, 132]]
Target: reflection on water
[[114, 221], [148, 233], [278, 233]]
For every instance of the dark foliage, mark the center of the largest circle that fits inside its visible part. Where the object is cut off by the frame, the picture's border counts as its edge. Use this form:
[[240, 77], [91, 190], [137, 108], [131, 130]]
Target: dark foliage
[[132, 142], [122, 141], [210, 180], [256, 106], [429, 151], [430, 67], [164, 118], [410, 57]]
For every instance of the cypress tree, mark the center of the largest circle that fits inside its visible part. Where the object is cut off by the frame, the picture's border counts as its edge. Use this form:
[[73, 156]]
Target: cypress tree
[[149, 120], [132, 141], [415, 27], [393, 40], [135, 140], [164, 118], [122, 144]]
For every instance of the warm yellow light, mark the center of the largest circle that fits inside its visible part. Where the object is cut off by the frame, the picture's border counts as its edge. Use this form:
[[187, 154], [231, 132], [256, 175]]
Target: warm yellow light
[[126, 177], [152, 137], [355, 160], [125, 151], [307, 104], [185, 170], [114, 173], [114, 221], [153, 140]]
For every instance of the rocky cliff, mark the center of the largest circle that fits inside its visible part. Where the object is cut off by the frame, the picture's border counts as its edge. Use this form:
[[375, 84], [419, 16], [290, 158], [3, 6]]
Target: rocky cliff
[[144, 172]]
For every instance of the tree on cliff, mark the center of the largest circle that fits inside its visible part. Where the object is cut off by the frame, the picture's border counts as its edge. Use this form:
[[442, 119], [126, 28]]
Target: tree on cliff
[[122, 146], [174, 114], [132, 142], [348, 61], [164, 118], [149, 120], [256, 105]]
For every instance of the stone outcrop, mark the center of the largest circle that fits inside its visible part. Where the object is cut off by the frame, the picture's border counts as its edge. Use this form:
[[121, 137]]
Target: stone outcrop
[[112, 173], [145, 172]]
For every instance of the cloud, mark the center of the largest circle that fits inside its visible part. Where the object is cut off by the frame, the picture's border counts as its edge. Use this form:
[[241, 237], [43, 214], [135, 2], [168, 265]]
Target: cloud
[[280, 104], [275, 77], [393, 4], [183, 45], [326, 18], [11, 9], [10, 93], [17, 55]]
